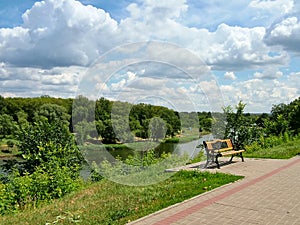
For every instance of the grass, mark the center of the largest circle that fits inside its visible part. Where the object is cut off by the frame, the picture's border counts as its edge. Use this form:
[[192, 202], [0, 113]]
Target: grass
[[187, 136], [107, 202], [283, 151]]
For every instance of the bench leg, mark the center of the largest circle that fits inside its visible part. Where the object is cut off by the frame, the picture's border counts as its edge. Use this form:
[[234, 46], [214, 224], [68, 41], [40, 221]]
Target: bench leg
[[231, 158], [217, 162], [241, 154], [206, 164]]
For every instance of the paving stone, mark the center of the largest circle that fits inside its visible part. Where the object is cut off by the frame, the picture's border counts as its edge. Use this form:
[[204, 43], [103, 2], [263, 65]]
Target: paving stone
[[267, 195]]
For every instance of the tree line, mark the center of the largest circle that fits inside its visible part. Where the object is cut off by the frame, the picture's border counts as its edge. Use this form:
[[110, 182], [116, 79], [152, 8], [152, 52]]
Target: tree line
[[105, 120]]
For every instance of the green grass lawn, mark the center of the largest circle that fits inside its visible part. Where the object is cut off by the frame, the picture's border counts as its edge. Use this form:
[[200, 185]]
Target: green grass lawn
[[106, 202], [283, 151]]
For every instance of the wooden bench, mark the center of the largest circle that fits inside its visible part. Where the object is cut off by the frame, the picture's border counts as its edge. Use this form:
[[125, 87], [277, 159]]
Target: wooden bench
[[218, 148]]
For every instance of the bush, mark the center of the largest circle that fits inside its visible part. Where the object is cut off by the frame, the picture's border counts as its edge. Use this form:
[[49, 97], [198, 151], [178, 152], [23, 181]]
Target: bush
[[30, 190], [51, 169], [46, 142], [174, 140]]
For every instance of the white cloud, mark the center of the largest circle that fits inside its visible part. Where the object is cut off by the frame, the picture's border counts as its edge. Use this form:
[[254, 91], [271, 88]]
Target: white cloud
[[157, 9], [131, 76], [240, 48], [260, 95], [270, 73], [63, 33], [286, 34], [230, 76], [58, 33], [57, 82], [280, 7], [60, 38]]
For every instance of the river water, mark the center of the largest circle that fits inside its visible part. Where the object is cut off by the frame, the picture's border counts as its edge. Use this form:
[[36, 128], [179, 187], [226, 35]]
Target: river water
[[190, 148]]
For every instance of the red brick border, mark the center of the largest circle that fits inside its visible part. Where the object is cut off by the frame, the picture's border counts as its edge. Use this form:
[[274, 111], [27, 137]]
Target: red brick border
[[199, 206]]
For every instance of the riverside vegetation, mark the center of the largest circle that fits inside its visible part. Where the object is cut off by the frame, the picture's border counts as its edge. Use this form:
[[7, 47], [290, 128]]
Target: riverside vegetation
[[46, 186]]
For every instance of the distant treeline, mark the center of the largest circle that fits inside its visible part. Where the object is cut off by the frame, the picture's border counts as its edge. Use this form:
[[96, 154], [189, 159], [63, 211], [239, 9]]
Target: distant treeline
[[114, 121], [111, 121]]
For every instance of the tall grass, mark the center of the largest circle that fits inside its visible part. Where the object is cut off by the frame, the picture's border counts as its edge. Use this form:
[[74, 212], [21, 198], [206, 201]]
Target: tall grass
[[107, 202], [281, 147]]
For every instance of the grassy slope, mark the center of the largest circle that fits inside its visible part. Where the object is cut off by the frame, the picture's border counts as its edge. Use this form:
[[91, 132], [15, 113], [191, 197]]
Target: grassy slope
[[106, 202], [283, 151]]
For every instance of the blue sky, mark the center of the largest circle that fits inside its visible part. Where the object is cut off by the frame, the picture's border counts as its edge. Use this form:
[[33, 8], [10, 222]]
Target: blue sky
[[251, 48]]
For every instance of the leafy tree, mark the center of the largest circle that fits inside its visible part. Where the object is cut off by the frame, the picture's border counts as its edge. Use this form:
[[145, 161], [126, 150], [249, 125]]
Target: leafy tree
[[22, 119], [44, 143], [294, 115], [85, 130], [157, 128], [239, 127], [52, 113], [83, 109], [7, 126], [108, 135]]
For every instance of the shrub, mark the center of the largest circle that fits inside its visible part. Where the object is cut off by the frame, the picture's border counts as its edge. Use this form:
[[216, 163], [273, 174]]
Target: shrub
[[30, 190], [44, 142]]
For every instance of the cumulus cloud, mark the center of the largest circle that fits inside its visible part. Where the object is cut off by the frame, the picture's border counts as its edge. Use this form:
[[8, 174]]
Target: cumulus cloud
[[27, 81], [278, 7], [230, 76], [157, 9], [58, 33], [58, 39], [64, 33], [260, 95], [239, 48], [270, 73], [286, 33]]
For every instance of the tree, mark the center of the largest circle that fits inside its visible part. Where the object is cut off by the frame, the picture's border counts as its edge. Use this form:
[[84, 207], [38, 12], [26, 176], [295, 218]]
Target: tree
[[53, 113], [157, 128], [7, 126], [240, 128], [85, 130], [294, 115], [44, 144], [22, 119]]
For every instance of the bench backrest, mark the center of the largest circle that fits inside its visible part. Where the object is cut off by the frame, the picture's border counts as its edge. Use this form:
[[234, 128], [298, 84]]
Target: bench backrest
[[219, 144]]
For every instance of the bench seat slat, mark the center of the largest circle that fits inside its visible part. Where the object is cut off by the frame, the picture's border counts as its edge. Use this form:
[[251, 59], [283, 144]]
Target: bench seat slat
[[231, 152], [224, 149]]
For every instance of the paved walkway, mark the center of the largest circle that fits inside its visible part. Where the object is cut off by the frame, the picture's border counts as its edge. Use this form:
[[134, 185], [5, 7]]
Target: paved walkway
[[269, 194]]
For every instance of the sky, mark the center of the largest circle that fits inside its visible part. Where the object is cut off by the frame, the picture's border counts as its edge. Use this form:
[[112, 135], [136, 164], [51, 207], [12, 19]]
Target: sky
[[184, 54]]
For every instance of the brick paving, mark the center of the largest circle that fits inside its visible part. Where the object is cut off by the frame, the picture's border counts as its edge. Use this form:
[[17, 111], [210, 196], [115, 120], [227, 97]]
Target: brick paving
[[269, 194]]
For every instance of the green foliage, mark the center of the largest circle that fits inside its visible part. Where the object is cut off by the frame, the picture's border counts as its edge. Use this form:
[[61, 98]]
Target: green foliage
[[52, 113], [240, 127], [174, 140], [50, 170], [157, 129], [8, 126], [284, 118], [85, 130], [45, 142], [10, 143], [141, 169], [282, 147], [29, 190], [95, 172]]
